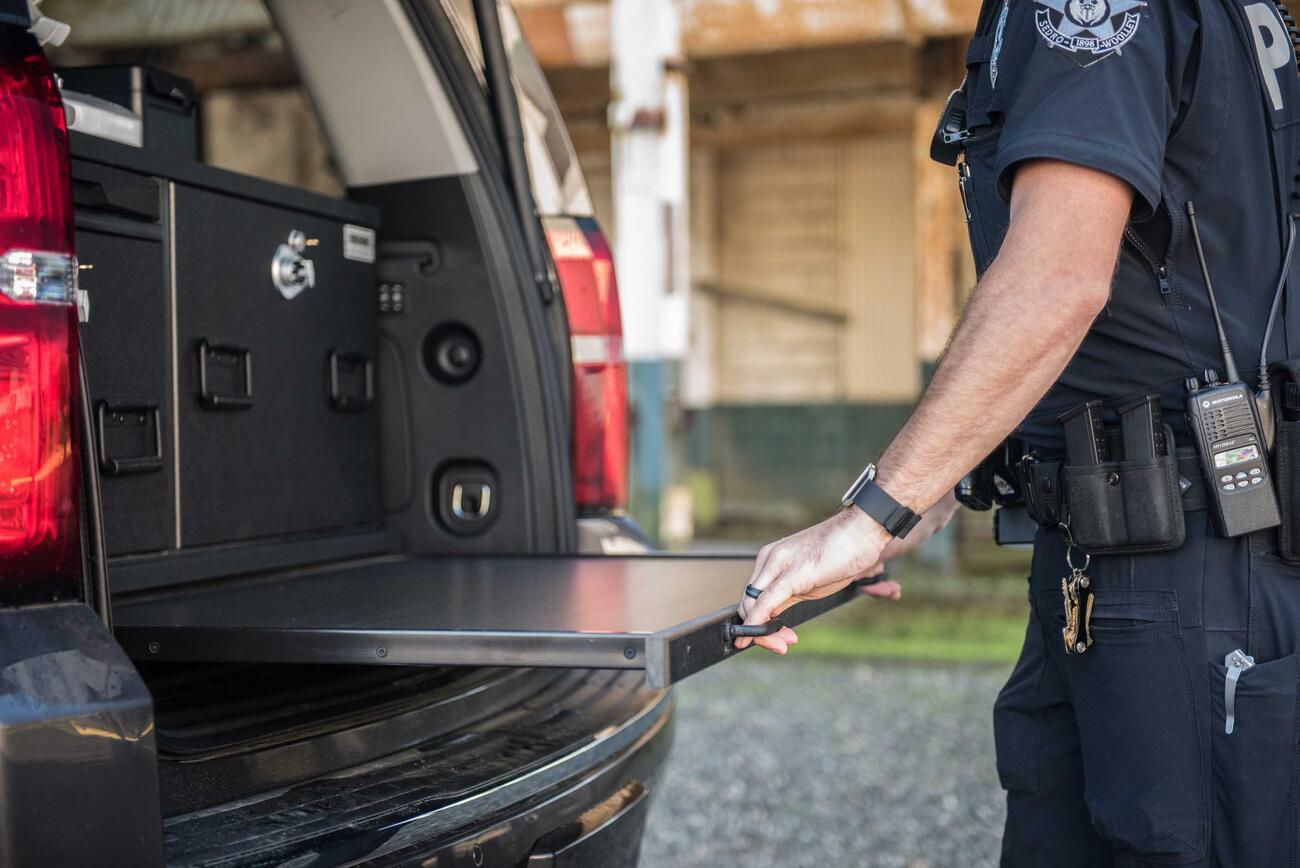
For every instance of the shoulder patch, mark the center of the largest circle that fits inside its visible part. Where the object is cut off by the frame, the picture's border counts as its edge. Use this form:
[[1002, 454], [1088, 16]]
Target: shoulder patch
[[1088, 30]]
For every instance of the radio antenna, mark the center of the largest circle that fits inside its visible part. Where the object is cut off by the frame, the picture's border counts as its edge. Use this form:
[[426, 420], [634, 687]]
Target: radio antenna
[[1229, 363]]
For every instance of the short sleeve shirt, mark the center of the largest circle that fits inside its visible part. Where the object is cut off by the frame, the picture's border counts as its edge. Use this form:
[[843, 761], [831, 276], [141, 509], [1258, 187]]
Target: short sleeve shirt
[[1171, 97], [1094, 84]]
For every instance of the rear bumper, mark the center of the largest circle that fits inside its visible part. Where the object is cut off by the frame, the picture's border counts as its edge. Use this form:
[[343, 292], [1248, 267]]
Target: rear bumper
[[566, 771], [78, 770]]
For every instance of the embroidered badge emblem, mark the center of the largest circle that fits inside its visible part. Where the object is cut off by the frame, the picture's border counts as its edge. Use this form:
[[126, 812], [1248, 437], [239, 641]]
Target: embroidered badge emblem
[[1089, 30]]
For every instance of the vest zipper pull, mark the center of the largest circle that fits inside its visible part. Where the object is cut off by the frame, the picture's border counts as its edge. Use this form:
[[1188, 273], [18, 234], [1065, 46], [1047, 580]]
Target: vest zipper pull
[[963, 181], [1162, 277], [1237, 662]]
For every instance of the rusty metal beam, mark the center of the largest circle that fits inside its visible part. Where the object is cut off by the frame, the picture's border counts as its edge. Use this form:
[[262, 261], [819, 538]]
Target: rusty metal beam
[[876, 69], [816, 118], [868, 71], [568, 33]]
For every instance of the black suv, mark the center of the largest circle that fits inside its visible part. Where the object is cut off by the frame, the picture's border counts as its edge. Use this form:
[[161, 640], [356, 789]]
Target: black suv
[[303, 497]]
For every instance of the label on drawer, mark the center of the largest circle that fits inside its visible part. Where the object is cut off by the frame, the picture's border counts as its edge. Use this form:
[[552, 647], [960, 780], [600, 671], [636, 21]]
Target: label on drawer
[[358, 243]]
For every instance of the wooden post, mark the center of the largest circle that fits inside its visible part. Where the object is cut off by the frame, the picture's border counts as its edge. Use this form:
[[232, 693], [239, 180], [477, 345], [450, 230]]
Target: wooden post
[[648, 121], [648, 124]]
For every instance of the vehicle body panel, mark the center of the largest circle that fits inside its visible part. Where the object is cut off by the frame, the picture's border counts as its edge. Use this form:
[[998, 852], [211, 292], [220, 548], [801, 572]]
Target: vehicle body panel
[[78, 770]]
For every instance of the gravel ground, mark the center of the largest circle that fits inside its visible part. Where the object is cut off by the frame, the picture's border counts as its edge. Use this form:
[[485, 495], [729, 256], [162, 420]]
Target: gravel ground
[[843, 764]]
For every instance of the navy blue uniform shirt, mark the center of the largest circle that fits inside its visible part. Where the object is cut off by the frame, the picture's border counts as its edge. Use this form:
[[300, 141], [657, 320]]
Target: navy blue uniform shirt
[[15, 12], [1182, 99]]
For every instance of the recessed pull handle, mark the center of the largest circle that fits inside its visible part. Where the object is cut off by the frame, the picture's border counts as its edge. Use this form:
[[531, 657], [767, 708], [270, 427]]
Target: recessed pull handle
[[471, 502], [225, 376], [352, 382]]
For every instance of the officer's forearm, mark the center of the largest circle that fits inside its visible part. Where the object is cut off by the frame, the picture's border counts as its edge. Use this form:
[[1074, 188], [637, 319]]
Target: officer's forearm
[[1023, 324]]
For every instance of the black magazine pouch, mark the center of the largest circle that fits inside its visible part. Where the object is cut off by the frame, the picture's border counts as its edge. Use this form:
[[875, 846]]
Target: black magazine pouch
[[1285, 378], [1125, 507]]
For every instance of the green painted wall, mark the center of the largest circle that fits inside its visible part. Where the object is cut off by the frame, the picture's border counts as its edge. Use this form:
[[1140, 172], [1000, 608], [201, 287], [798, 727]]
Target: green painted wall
[[764, 469]]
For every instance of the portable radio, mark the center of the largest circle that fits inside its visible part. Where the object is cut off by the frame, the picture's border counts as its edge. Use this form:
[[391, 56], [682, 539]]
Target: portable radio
[[1229, 439], [1229, 436]]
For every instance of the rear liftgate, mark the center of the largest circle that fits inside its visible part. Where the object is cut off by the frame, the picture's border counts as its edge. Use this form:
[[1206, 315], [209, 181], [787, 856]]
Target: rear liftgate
[[669, 616]]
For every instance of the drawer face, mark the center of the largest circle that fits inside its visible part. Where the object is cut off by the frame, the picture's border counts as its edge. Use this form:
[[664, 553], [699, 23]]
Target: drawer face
[[126, 347], [277, 434]]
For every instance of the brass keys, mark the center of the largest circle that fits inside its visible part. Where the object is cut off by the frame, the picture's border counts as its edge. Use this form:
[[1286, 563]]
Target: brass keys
[[1077, 591], [1076, 588]]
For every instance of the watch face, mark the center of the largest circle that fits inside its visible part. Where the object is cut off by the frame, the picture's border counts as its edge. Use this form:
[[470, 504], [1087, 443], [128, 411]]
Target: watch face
[[868, 474]]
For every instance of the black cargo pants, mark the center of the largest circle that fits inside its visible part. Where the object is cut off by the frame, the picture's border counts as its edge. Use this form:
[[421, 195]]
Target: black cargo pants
[[1118, 757]]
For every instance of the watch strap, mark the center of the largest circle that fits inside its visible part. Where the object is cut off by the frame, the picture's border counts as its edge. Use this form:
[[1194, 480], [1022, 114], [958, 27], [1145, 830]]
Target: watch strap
[[896, 519]]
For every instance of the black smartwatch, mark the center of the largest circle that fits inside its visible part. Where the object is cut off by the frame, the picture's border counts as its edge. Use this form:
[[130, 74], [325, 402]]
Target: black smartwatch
[[896, 519]]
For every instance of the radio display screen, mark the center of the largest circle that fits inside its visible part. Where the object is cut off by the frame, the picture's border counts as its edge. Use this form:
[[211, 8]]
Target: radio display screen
[[1236, 456]]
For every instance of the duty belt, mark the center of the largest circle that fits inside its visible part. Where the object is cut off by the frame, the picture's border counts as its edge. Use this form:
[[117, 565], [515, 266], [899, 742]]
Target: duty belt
[[1041, 484]]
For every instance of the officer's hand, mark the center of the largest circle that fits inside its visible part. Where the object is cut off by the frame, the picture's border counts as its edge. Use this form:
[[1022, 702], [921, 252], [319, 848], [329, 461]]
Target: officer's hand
[[809, 565]]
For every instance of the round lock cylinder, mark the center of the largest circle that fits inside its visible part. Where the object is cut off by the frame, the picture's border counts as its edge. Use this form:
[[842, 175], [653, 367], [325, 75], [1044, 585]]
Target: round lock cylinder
[[291, 272]]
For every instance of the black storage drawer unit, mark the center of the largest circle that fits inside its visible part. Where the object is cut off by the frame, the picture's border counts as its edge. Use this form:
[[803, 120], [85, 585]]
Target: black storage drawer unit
[[231, 356], [125, 344], [277, 435]]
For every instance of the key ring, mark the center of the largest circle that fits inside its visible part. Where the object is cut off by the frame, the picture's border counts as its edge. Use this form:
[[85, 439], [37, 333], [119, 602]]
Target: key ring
[[1071, 548]]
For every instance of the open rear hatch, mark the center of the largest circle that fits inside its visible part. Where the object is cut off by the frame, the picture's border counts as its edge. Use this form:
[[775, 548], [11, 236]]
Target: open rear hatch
[[669, 616]]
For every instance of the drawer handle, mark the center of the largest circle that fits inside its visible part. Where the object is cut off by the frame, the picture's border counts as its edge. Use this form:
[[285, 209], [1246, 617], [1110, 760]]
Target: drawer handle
[[117, 465], [731, 631], [226, 356], [351, 401]]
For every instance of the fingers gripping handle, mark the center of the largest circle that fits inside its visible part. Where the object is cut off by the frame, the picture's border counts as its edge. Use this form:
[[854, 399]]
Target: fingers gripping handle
[[733, 630]]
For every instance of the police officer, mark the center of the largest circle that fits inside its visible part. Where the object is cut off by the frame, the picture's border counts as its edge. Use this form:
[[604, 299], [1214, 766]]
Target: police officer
[[1089, 126]]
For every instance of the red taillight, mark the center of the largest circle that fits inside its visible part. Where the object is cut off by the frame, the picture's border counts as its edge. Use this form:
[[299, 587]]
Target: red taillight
[[40, 553], [35, 187], [600, 425]]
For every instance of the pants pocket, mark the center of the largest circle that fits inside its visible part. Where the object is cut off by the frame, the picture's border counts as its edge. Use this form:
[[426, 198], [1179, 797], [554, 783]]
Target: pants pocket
[[1017, 716], [1143, 762], [1254, 768]]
